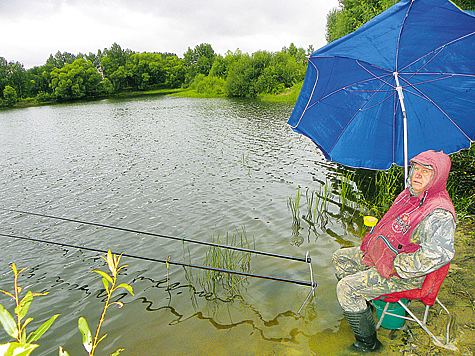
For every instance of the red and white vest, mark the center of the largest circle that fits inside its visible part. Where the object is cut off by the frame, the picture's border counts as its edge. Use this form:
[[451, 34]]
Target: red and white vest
[[392, 235]]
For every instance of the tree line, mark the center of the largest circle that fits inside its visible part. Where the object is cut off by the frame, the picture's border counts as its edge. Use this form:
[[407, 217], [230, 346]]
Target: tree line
[[66, 76]]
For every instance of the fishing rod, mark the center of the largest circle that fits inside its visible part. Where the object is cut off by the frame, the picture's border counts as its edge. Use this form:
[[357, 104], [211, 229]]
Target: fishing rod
[[306, 259], [168, 262]]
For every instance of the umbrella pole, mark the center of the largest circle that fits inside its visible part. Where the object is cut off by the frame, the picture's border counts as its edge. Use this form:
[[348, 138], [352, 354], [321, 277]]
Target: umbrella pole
[[403, 108], [405, 148]]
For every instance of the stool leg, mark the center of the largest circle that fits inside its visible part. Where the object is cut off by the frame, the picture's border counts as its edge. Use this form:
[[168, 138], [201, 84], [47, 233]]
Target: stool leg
[[426, 312], [442, 305], [423, 326], [380, 321]]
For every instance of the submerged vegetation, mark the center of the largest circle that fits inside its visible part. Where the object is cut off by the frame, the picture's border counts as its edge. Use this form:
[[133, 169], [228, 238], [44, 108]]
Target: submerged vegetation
[[222, 284]]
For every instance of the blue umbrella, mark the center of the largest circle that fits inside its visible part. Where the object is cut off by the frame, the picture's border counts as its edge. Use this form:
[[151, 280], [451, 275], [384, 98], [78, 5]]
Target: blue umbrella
[[401, 84]]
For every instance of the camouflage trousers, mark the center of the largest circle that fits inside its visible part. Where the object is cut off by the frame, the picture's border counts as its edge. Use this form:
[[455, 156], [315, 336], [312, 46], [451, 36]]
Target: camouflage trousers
[[359, 283]]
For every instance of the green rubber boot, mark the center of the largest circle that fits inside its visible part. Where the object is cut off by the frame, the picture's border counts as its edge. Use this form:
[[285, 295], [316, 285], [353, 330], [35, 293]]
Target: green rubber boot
[[363, 326]]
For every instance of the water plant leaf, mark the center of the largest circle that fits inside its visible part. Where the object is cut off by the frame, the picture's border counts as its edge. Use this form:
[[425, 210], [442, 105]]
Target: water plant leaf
[[27, 321], [105, 275], [86, 334], [117, 352], [15, 271], [8, 322], [62, 352], [106, 284], [24, 305], [40, 294], [111, 262], [35, 335], [123, 266], [17, 349], [23, 336], [127, 287]]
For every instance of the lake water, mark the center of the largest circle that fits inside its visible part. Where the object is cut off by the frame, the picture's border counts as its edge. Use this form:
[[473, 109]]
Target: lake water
[[189, 168]]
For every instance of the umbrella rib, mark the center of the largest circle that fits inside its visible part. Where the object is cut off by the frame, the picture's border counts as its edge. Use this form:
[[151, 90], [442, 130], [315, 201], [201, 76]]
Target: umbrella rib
[[443, 76], [400, 34], [436, 51], [308, 106], [354, 115], [424, 96], [309, 98]]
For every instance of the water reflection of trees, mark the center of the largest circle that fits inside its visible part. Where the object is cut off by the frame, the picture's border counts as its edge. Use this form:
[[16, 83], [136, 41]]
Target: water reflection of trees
[[276, 321]]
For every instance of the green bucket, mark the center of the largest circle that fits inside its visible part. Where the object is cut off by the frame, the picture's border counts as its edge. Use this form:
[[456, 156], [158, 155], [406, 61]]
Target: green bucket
[[389, 321]]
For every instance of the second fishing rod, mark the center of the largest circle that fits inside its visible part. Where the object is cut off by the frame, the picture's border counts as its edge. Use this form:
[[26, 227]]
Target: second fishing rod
[[182, 239]]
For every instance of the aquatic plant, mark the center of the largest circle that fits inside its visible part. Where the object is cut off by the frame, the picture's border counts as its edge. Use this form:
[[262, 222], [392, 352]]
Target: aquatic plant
[[345, 188], [294, 207], [322, 204], [17, 328], [461, 182], [312, 213], [223, 258], [378, 189]]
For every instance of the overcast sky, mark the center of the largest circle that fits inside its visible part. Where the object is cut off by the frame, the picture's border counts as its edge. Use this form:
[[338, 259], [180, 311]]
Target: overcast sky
[[31, 30]]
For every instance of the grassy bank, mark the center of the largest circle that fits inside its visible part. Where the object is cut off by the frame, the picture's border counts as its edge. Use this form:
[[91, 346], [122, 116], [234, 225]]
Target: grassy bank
[[31, 102]]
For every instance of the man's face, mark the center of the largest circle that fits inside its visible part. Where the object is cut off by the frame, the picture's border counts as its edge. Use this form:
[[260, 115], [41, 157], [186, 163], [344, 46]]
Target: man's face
[[421, 177]]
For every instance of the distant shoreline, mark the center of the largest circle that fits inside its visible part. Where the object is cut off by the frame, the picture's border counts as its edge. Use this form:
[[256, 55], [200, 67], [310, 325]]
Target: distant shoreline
[[288, 96]]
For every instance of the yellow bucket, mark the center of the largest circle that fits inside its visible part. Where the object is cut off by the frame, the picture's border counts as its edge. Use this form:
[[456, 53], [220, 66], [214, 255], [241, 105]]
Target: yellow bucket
[[370, 221]]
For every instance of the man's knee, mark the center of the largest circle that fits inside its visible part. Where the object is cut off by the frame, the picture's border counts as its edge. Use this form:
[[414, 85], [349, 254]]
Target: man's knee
[[348, 296]]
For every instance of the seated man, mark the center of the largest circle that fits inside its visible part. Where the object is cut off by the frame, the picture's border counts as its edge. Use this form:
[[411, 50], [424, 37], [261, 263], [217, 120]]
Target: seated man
[[414, 238]]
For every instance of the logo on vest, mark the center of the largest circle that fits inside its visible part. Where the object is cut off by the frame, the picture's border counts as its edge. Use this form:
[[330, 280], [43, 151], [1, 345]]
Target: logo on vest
[[401, 223]]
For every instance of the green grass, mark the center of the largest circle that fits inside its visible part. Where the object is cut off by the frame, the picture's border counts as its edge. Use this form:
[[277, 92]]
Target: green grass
[[218, 283]]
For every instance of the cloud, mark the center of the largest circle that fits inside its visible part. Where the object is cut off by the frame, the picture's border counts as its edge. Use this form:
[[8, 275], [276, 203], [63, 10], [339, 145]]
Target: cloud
[[39, 28]]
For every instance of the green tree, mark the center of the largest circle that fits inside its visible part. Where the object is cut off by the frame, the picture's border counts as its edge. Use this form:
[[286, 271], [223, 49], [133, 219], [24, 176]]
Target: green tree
[[175, 71], [113, 58], [120, 78], [17, 77], [209, 85], [283, 72], [39, 80], [59, 60], [466, 4], [77, 80], [240, 77], [3, 74], [352, 14], [14, 75], [146, 69], [10, 97], [264, 72], [199, 60], [222, 64]]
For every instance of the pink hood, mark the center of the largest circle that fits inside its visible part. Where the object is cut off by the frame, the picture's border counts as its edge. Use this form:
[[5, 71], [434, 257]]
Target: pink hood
[[440, 163]]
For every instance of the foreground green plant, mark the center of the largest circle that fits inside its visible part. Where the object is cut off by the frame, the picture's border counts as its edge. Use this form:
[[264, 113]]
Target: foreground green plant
[[109, 282], [17, 328]]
